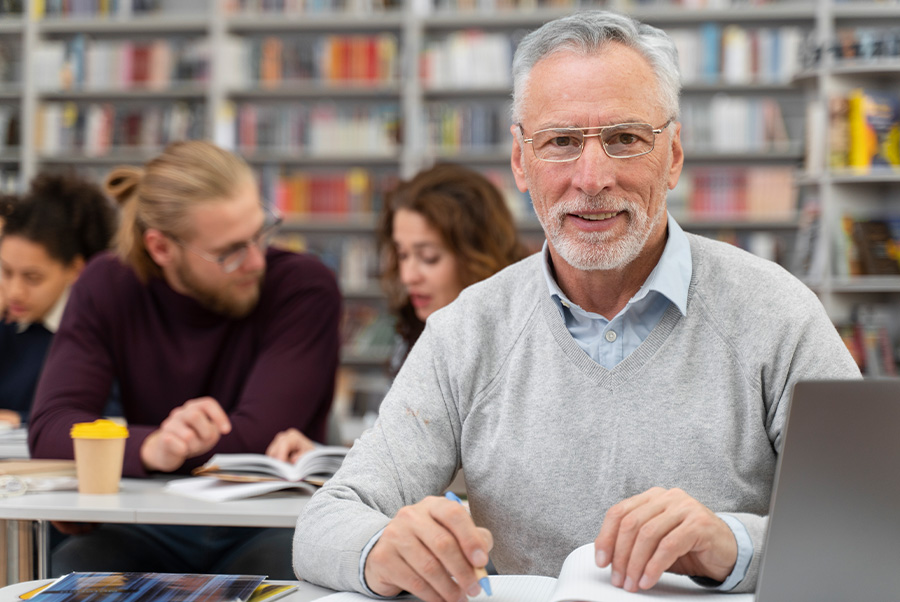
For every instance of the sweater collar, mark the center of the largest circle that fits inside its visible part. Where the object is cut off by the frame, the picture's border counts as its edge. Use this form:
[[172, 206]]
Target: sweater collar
[[52, 318]]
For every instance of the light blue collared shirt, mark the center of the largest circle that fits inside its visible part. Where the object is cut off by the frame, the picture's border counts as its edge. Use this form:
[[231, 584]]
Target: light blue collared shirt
[[608, 342]]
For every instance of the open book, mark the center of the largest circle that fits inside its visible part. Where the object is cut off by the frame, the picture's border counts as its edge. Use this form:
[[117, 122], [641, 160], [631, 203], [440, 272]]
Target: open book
[[580, 580], [315, 466], [237, 476]]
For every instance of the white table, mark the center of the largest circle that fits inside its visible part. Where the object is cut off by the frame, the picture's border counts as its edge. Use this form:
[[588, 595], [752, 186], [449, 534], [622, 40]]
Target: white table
[[306, 592], [139, 501]]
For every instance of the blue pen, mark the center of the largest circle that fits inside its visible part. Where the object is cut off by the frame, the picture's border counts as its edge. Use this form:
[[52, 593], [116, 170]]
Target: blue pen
[[482, 573]]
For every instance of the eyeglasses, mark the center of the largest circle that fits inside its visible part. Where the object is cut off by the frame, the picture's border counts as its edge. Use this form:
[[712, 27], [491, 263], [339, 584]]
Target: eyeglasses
[[620, 141], [234, 258]]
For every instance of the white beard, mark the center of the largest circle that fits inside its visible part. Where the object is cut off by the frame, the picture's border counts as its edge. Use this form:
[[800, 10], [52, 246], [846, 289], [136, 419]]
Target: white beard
[[590, 251]]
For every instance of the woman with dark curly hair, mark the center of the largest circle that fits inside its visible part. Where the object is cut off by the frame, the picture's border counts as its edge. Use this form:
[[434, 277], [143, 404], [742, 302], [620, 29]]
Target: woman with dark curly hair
[[446, 228], [47, 236]]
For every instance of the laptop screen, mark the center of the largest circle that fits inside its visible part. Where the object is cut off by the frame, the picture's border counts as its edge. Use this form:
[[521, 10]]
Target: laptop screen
[[834, 519]]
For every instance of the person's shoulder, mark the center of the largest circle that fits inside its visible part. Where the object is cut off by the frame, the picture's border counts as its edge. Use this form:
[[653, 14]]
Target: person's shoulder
[[729, 277], [106, 271], [289, 273]]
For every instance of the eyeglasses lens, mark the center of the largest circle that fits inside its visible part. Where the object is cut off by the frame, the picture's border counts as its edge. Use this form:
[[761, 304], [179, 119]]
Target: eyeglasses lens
[[621, 141]]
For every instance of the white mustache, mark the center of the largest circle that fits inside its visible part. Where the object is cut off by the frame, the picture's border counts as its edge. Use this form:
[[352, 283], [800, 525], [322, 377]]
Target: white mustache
[[598, 204]]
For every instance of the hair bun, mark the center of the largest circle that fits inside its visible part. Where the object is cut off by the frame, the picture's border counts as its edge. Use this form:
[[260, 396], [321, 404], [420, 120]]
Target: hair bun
[[122, 182]]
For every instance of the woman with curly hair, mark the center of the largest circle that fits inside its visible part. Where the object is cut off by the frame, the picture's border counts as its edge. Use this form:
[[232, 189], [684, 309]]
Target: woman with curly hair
[[446, 228]]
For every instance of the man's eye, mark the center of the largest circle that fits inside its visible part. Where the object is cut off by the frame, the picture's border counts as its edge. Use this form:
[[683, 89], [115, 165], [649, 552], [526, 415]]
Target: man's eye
[[563, 141], [625, 138]]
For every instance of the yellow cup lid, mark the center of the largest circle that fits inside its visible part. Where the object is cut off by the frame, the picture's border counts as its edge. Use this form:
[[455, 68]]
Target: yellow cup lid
[[99, 429]]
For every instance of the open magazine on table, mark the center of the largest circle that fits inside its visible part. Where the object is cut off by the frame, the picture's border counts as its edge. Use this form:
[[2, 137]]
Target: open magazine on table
[[149, 587], [236, 476], [581, 580]]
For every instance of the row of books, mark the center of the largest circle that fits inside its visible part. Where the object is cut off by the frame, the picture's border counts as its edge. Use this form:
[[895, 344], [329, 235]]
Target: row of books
[[868, 246], [467, 59], [710, 53], [98, 129], [864, 131], [321, 129], [737, 54], [730, 123], [9, 127], [871, 337], [467, 126], [355, 191], [82, 62], [105, 8], [11, 7], [620, 5], [10, 60], [271, 60], [311, 6], [367, 331], [753, 193], [772, 246], [353, 259], [864, 44]]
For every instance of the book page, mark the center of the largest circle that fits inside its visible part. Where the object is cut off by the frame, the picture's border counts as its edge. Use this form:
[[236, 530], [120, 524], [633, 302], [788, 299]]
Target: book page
[[506, 588], [212, 489], [581, 580]]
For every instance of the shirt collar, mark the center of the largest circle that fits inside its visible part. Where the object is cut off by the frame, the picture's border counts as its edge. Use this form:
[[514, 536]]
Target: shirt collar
[[671, 277], [52, 318]]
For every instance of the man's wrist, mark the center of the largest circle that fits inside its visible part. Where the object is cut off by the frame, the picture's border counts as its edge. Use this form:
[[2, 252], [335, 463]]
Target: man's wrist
[[744, 552], [363, 557]]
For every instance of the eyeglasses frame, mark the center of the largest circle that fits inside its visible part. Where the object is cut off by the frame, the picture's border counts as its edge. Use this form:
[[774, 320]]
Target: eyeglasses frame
[[221, 259], [599, 128]]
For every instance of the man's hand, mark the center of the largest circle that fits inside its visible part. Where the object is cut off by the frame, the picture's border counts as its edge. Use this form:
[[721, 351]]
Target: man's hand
[[189, 430], [11, 418], [425, 548], [289, 445], [664, 530]]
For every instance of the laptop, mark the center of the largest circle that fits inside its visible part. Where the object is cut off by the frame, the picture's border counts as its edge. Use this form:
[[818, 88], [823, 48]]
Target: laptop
[[834, 519]]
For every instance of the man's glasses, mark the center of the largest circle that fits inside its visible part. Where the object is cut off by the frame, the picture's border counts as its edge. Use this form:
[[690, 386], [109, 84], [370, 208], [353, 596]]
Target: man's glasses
[[620, 141], [234, 258]]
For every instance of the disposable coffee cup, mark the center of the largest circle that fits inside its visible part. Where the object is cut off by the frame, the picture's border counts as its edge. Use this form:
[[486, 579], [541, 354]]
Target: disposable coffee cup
[[99, 453]]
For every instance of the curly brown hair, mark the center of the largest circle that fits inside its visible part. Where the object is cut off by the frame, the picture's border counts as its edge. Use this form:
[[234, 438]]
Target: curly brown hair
[[472, 219]]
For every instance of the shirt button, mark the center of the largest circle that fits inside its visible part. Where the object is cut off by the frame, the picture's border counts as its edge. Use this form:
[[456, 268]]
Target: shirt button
[[610, 336]]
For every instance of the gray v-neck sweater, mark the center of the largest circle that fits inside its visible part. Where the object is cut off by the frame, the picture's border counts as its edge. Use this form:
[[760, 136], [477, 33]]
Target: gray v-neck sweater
[[550, 440]]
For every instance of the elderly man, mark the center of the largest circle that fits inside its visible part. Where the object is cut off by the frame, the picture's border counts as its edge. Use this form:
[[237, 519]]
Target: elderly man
[[626, 386]]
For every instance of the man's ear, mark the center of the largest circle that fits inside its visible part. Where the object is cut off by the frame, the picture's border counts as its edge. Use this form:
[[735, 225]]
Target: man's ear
[[160, 247], [677, 157], [516, 159]]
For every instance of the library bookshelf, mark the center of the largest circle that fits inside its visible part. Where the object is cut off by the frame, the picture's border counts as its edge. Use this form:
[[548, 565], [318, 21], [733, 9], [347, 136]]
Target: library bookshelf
[[333, 100], [850, 185]]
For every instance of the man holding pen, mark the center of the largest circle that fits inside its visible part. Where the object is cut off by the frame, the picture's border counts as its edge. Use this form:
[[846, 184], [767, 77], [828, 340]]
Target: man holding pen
[[627, 385]]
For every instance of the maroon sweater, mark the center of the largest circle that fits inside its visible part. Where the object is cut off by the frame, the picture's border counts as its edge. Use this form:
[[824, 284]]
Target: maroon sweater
[[270, 370]]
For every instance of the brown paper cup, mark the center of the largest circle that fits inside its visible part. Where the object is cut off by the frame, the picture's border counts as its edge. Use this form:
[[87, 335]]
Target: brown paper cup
[[98, 464]]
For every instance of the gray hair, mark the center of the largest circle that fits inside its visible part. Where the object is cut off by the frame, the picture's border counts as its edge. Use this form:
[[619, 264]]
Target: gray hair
[[586, 33]]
